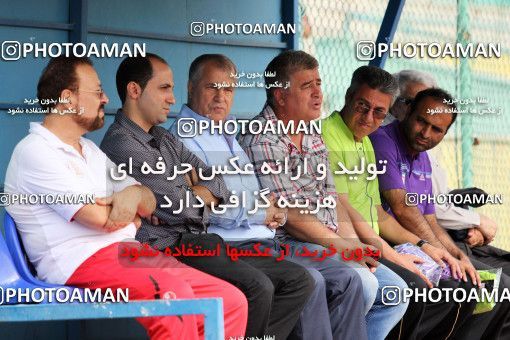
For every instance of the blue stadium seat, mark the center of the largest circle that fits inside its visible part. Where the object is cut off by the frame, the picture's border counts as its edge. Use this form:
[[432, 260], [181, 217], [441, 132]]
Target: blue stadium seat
[[9, 277], [18, 255], [15, 273]]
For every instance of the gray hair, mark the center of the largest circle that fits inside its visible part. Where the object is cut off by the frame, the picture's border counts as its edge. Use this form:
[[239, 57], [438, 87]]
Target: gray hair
[[283, 66], [218, 60], [406, 77], [376, 78]]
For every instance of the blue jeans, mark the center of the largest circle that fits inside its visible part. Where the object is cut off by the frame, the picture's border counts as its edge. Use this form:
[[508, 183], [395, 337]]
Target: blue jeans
[[380, 318], [335, 309]]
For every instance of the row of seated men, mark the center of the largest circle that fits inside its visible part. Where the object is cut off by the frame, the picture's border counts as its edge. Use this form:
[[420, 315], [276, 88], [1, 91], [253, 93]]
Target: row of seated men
[[297, 297]]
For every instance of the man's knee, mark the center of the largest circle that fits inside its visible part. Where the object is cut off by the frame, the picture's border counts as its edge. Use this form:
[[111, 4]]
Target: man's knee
[[318, 281], [258, 289], [299, 279], [370, 286], [503, 285], [346, 279], [170, 288], [504, 282], [234, 299], [315, 285], [389, 277]]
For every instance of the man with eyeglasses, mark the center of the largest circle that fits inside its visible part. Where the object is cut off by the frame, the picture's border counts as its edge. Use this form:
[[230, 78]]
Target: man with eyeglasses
[[410, 82], [345, 133]]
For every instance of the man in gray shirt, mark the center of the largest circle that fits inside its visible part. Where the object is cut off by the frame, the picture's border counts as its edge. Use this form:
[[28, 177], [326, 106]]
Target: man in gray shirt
[[276, 292]]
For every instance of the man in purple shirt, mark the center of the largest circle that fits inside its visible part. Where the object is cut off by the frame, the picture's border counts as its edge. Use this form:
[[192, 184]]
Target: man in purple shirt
[[406, 171], [406, 191]]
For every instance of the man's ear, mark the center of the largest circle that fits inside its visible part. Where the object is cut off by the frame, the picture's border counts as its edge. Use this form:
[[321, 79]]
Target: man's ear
[[66, 101], [133, 90], [279, 96], [65, 96]]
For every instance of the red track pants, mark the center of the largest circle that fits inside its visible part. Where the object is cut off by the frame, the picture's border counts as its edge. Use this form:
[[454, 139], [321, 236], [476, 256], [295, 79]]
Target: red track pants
[[163, 277]]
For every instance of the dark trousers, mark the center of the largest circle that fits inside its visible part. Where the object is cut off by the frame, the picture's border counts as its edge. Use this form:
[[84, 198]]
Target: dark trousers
[[276, 291], [496, 323], [429, 320], [464, 309], [488, 255]]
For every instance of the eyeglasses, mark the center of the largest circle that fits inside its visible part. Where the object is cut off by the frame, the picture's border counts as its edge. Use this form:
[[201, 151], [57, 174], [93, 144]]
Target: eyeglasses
[[405, 101], [363, 108], [100, 92]]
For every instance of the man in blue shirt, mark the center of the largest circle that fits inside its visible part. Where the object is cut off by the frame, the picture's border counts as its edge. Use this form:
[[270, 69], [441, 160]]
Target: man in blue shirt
[[335, 309]]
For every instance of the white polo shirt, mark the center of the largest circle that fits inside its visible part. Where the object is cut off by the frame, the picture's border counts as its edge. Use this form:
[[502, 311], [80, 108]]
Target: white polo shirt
[[43, 164]]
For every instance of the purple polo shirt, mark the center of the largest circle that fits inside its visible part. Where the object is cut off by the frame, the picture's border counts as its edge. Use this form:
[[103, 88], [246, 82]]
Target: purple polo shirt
[[403, 171]]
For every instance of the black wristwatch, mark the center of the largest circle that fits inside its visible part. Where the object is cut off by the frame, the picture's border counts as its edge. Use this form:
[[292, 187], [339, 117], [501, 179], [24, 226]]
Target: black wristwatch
[[421, 243]]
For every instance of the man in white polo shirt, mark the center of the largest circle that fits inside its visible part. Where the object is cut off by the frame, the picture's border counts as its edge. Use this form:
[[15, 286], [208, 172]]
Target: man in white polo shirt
[[78, 244]]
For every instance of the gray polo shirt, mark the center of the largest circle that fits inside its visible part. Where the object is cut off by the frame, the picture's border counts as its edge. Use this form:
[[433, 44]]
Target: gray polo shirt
[[125, 139]]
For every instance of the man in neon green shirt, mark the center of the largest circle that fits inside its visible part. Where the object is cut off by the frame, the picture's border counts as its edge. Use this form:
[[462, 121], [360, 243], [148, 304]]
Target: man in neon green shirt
[[345, 134], [363, 195]]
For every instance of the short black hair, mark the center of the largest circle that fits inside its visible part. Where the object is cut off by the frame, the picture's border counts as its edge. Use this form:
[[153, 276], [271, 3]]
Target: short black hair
[[58, 75], [439, 95], [137, 69]]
